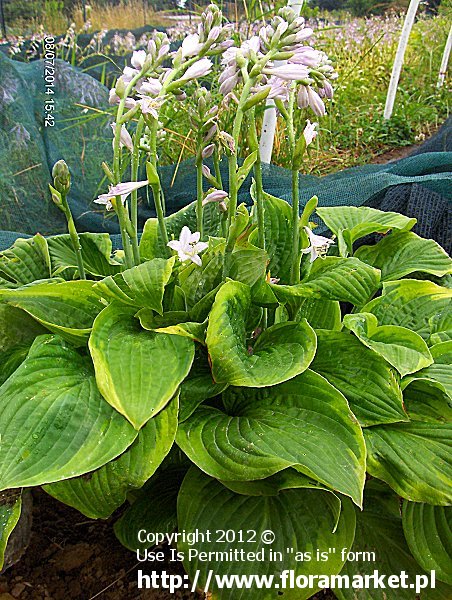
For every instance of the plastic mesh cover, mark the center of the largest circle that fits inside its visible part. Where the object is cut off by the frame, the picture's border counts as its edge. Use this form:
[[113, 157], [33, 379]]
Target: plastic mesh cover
[[418, 185]]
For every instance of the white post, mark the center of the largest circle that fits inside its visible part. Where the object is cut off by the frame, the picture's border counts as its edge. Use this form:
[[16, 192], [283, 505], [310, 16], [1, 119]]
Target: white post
[[398, 61], [269, 122], [445, 60]]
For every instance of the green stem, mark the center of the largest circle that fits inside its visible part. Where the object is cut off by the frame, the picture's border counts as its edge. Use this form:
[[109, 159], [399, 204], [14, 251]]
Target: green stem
[[216, 164], [75, 240], [157, 188], [199, 195], [135, 163], [254, 146], [295, 266]]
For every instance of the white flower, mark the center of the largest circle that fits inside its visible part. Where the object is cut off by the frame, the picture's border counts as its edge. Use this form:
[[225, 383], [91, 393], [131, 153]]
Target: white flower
[[121, 189], [318, 245], [310, 132], [191, 45], [125, 140], [307, 56], [128, 74], [188, 246], [138, 58], [198, 69]]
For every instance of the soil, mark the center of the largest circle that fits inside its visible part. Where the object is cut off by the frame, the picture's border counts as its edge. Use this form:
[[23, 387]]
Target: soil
[[71, 557]]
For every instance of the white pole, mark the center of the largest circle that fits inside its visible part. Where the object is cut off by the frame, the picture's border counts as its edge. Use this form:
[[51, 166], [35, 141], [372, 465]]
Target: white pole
[[269, 122], [445, 60], [398, 61]]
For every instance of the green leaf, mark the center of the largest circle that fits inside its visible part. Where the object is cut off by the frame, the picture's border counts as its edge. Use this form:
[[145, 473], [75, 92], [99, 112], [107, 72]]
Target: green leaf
[[154, 510], [17, 332], [278, 235], [67, 308], [426, 400], [265, 431], [356, 222], [198, 386], [56, 424], [402, 348], [137, 371], [440, 372], [320, 314], [101, 492], [413, 458], [141, 286], [288, 479], [280, 352], [410, 303], [151, 244], [300, 519], [334, 278], [365, 379], [440, 328], [248, 264], [404, 252], [10, 509], [197, 282], [428, 531], [96, 251], [26, 261], [380, 541]]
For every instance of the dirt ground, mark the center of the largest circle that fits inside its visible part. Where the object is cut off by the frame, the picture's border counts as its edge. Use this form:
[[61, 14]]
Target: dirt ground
[[73, 558]]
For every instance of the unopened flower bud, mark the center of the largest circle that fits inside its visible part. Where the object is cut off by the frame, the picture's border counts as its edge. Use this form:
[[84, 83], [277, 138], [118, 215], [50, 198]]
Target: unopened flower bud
[[61, 177], [208, 151]]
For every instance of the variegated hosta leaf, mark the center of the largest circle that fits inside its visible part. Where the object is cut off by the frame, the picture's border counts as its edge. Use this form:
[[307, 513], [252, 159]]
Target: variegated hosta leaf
[[265, 431], [379, 534], [410, 303], [428, 531], [365, 378], [141, 286], [351, 223], [100, 492], [137, 371], [96, 249], [413, 458], [67, 308], [10, 509], [334, 278], [55, 423], [302, 519], [402, 253], [26, 261], [402, 348], [280, 352]]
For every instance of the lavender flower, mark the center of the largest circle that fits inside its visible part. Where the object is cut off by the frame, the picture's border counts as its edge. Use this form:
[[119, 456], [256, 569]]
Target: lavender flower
[[318, 245], [121, 189], [215, 196]]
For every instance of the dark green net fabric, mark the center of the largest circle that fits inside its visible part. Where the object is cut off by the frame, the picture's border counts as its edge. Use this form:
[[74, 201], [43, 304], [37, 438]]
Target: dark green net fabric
[[419, 186]]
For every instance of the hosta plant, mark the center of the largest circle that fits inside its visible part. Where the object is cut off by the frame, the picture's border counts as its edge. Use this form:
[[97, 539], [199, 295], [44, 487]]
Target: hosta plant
[[233, 369]]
